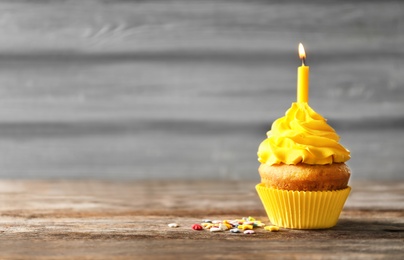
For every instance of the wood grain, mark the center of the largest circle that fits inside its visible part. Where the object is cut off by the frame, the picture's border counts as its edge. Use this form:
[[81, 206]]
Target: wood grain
[[127, 220]]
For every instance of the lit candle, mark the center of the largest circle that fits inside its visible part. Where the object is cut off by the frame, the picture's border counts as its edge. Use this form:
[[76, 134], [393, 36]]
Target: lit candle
[[302, 77]]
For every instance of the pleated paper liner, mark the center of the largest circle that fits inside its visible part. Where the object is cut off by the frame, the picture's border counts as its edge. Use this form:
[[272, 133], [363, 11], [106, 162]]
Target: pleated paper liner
[[302, 209]]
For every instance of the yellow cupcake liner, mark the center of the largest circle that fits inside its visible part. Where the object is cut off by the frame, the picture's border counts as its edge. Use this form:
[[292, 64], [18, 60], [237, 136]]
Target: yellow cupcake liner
[[302, 209]]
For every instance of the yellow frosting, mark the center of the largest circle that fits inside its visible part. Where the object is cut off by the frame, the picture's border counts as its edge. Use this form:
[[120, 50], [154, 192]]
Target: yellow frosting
[[302, 136]]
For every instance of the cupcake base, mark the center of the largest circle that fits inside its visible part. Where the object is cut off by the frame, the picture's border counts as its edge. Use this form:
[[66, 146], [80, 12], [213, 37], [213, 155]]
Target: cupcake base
[[302, 209]]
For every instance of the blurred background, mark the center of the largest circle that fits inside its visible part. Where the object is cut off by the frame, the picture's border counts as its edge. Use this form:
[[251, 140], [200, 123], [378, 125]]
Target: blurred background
[[115, 89]]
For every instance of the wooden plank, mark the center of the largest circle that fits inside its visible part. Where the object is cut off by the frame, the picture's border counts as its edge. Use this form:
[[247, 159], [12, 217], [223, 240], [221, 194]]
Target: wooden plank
[[203, 249], [162, 197], [119, 220]]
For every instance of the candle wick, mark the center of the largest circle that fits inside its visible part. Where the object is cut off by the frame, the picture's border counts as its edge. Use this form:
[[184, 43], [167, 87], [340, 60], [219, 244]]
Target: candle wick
[[303, 61]]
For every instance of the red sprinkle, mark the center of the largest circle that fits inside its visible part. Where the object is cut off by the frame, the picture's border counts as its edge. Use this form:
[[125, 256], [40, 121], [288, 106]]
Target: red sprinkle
[[197, 227]]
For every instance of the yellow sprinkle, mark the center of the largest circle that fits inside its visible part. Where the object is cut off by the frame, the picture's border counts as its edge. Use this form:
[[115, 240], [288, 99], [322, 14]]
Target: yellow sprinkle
[[251, 219], [229, 226], [244, 227], [271, 228], [207, 225]]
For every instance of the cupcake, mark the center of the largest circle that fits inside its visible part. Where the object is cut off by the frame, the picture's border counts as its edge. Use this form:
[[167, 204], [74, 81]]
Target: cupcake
[[304, 178]]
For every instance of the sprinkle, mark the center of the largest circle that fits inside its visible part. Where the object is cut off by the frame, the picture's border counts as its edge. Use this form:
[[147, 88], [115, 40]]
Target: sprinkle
[[258, 224], [246, 224], [244, 227], [240, 221], [197, 227], [271, 228], [234, 223], [227, 224], [223, 227], [207, 225], [173, 225], [251, 219]]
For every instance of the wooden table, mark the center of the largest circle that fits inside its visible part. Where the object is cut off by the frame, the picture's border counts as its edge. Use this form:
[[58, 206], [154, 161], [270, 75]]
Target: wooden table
[[91, 219]]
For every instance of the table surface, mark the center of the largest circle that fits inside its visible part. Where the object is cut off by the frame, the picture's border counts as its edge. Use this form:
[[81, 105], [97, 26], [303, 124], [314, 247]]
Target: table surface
[[93, 219]]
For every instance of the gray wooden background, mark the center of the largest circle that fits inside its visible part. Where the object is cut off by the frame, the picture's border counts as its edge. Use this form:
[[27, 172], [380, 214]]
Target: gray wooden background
[[188, 89]]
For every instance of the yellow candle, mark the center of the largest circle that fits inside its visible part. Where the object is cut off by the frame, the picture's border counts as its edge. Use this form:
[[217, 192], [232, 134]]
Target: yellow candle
[[303, 77]]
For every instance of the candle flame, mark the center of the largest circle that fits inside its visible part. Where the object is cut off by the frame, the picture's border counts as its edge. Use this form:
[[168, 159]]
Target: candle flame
[[302, 53]]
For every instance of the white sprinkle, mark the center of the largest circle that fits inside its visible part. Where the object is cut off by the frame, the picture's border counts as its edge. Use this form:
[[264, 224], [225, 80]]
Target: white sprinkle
[[223, 227], [173, 225], [215, 229]]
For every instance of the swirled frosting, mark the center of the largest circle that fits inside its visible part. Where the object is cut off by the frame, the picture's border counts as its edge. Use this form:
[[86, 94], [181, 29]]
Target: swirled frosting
[[302, 136]]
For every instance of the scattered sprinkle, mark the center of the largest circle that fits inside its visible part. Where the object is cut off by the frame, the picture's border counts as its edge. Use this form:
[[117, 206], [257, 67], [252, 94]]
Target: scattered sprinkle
[[215, 229], [271, 228], [197, 227], [251, 219], [173, 225], [223, 226], [245, 225], [207, 225], [258, 224]]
